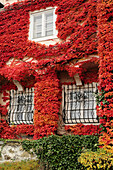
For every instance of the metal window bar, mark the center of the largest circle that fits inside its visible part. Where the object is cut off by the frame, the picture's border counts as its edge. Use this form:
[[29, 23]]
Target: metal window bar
[[21, 107], [79, 104]]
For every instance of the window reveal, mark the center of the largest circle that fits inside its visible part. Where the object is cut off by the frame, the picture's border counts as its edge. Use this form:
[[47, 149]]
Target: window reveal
[[79, 104], [21, 106]]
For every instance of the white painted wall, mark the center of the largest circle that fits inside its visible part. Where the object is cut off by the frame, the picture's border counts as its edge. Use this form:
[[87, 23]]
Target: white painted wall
[[9, 1]]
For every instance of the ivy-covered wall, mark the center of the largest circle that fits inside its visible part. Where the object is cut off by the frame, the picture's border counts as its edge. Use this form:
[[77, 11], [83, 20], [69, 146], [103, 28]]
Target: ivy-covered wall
[[78, 22], [105, 49]]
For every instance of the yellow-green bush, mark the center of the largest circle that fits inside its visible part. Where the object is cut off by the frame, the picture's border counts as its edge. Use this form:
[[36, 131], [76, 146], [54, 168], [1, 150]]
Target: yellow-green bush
[[101, 159], [23, 165]]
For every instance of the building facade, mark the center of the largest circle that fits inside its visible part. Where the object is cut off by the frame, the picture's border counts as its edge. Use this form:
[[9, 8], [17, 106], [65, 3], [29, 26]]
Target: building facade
[[50, 67]]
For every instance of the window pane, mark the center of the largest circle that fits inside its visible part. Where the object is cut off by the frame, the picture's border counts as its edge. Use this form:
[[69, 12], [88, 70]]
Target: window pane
[[38, 19], [49, 32], [38, 35], [49, 24], [37, 29], [49, 17], [75, 114]]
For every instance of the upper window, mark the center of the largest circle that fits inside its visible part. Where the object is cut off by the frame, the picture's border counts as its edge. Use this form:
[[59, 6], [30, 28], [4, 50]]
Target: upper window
[[79, 103], [21, 106], [42, 25]]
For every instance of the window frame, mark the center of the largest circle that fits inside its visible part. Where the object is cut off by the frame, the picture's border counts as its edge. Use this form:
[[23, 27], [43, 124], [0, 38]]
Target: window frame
[[65, 106], [42, 12]]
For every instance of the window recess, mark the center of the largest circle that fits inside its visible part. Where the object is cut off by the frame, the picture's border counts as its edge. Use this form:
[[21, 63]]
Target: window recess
[[79, 104], [21, 107]]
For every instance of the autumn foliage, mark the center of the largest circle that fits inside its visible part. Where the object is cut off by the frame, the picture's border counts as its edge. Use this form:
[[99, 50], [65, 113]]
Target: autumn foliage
[[77, 22], [105, 48]]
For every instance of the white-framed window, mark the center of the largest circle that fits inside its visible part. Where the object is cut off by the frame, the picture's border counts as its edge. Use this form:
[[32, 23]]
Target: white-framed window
[[42, 25], [21, 107], [79, 104]]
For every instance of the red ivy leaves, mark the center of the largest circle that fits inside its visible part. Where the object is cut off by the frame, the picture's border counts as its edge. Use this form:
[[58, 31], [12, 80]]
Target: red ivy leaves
[[77, 23], [47, 103], [81, 129], [105, 34], [14, 131]]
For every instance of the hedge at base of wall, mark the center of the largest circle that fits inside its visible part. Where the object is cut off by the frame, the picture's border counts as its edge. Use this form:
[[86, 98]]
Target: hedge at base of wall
[[61, 153]]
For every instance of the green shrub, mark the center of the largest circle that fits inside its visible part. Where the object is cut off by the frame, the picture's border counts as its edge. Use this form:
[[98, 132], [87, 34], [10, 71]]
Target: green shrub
[[23, 165], [101, 159], [61, 153]]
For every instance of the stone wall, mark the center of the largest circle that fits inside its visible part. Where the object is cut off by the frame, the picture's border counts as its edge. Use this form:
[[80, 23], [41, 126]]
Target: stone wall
[[13, 151]]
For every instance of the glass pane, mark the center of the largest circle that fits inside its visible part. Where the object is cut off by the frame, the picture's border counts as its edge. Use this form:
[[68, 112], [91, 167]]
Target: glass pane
[[38, 35], [30, 116], [86, 114], [75, 114], [49, 17], [48, 33], [29, 99], [91, 104], [92, 114], [38, 20], [91, 95], [29, 107], [86, 95], [37, 29], [49, 24], [76, 105], [86, 104], [19, 117]]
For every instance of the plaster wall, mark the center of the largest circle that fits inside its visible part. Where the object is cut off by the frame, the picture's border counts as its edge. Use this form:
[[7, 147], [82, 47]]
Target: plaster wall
[[9, 1], [1, 99], [50, 42], [3, 1], [3, 104], [13, 150]]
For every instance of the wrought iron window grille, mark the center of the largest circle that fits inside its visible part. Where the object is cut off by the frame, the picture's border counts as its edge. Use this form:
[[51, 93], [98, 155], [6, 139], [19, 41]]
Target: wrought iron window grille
[[79, 104], [21, 107]]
